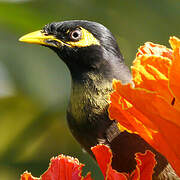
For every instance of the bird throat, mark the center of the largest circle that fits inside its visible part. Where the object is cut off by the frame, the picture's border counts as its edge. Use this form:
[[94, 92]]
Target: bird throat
[[89, 95], [87, 112]]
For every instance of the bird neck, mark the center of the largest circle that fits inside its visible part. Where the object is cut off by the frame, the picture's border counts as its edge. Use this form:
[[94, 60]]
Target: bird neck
[[88, 105], [93, 82], [91, 89]]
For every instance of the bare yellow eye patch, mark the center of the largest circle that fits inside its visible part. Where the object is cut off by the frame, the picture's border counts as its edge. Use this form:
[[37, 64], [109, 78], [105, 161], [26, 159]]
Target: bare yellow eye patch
[[87, 39]]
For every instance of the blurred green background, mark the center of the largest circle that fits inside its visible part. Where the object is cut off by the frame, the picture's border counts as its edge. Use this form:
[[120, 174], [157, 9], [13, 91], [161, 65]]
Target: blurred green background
[[35, 84]]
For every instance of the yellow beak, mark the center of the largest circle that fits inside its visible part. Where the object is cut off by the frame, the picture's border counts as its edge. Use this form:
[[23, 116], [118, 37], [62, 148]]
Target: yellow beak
[[38, 37]]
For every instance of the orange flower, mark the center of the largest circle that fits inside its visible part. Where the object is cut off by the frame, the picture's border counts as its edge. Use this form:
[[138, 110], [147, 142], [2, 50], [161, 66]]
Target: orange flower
[[152, 107], [144, 168], [65, 167], [61, 167]]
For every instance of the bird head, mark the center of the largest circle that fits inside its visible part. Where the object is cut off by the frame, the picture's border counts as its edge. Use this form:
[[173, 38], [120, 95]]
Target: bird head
[[83, 45]]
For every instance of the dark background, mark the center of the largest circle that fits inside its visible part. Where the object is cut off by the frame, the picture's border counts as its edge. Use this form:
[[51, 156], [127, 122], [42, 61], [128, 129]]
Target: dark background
[[35, 84]]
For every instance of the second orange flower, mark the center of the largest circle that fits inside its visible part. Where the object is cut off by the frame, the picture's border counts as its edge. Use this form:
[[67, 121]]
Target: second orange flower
[[151, 108]]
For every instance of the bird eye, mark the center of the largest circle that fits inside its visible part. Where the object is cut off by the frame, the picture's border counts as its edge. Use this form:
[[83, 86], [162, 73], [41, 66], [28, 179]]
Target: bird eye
[[76, 35]]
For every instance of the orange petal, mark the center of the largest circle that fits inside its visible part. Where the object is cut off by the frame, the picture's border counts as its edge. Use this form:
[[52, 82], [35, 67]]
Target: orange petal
[[148, 71], [151, 67], [61, 167], [28, 176], [88, 177], [103, 156], [150, 49], [174, 42], [145, 165], [128, 118]]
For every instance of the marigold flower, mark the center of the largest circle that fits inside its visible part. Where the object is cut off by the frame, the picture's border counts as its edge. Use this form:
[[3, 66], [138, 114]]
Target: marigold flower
[[65, 167], [152, 107]]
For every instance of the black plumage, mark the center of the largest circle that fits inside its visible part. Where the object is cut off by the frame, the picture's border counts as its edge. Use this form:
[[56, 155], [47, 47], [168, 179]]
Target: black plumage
[[93, 63]]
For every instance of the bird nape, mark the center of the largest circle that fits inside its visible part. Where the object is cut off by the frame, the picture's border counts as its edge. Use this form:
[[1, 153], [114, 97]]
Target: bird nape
[[92, 55]]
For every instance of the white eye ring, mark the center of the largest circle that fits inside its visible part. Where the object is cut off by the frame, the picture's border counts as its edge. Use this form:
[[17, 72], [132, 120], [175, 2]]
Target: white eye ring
[[76, 35]]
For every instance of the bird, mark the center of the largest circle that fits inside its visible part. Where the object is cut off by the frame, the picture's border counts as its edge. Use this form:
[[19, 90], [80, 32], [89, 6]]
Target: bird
[[94, 59]]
